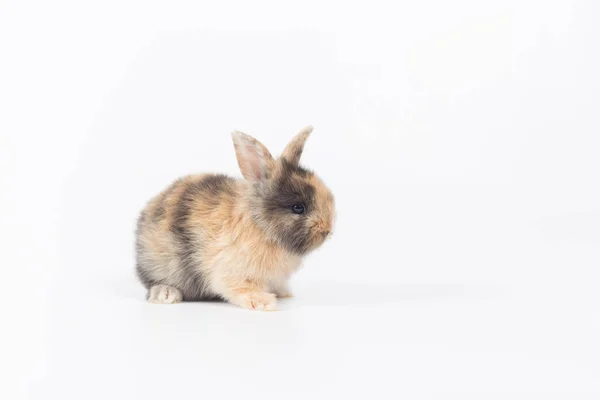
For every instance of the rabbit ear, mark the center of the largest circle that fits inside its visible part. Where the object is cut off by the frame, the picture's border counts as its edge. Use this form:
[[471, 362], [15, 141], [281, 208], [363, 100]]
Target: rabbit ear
[[255, 161], [293, 150]]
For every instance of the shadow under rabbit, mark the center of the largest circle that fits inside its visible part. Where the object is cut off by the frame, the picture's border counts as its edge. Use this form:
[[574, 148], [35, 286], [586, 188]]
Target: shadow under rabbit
[[357, 294]]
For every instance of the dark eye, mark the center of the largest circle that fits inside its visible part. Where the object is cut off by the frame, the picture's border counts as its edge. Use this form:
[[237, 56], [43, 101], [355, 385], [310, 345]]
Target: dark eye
[[298, 208]]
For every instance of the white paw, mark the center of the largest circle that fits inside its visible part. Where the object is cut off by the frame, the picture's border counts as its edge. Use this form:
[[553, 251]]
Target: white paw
[[260, 301], [163, 294]]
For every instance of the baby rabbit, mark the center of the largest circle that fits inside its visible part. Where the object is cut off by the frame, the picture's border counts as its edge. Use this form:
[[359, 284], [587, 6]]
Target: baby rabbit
[[212, 236]]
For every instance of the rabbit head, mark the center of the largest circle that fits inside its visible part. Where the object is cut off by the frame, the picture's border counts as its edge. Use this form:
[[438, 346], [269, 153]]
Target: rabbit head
[[289, 203]]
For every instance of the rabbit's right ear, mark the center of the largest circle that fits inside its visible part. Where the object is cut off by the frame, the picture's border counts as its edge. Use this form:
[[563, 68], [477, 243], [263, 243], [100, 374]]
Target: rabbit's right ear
[[255, 161], [293, 150]]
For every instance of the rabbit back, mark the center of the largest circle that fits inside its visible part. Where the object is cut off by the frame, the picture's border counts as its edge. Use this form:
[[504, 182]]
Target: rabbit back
[[175, 228]]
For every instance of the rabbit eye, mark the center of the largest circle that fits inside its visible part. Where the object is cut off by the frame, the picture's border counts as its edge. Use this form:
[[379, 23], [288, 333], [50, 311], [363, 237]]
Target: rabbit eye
[[298, 208]]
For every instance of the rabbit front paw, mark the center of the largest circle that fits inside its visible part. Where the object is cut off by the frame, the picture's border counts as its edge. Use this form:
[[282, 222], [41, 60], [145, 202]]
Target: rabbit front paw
[[260, 301]]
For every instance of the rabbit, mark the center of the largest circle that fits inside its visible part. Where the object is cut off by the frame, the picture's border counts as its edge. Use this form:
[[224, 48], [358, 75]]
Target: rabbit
[[211, 236]]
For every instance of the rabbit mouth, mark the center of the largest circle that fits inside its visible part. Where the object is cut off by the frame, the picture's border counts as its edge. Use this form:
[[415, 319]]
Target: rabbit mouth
[[319, 235], [321, 229]]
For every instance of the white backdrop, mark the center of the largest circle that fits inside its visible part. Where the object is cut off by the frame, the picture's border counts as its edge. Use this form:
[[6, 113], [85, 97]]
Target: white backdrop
[[460, 138]]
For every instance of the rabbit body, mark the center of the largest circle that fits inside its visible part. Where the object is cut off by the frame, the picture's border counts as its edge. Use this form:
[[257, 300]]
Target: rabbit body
[[212, 236]]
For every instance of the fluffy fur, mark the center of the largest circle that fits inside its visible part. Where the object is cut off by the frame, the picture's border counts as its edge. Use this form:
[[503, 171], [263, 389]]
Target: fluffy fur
[[213, 236]]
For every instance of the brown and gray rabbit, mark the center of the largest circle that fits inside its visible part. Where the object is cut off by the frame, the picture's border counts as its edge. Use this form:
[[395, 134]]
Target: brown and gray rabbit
[[213, 236]]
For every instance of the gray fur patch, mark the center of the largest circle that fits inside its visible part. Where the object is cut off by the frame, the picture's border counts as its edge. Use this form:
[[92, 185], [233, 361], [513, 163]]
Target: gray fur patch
[[286, 190], [191, 283]]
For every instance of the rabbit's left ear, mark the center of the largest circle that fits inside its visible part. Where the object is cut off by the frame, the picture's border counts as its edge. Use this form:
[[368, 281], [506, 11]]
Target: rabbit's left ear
[[255, 161], [293, 150]]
